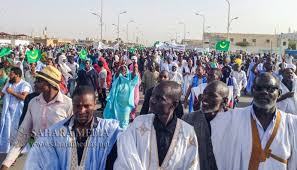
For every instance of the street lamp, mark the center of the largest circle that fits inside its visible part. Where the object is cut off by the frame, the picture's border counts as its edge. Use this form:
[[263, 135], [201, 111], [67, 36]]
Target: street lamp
[[124, 12], [100, 19], [233, 19], [184, 29], [229, 21], [131, 21], [203, 31], [100, 16]]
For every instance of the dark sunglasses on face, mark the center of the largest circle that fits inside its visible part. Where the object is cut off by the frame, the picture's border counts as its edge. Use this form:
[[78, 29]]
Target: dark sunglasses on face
[[269, 89]]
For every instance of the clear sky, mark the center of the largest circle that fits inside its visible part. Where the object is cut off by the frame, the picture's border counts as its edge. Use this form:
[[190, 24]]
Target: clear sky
[[155, 19]]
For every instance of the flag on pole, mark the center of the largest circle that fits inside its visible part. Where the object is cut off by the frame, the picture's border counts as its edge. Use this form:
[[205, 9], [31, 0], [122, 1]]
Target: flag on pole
[[83, 54], [223, 45], [132, 50], [33, 56], [5, 52]]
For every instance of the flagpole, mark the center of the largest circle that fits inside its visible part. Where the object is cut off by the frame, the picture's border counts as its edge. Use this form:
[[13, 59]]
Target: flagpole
[[124, 12], [101, 21], [203, 29], [184, 30], [228, 22], [131, 21]]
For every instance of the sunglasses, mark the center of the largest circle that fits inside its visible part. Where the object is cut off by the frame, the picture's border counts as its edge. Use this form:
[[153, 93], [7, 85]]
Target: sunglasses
[[269, 89]]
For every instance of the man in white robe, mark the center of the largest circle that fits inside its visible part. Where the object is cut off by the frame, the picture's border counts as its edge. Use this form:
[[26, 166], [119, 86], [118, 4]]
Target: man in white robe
[[188, 72], [258, 137], [175, 75], [240, 77], [160, 140], [288, 101]]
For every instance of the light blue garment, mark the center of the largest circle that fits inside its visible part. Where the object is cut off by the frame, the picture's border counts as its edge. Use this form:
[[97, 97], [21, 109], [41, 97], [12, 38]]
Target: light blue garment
[[195, 83], [11, 113], [120, 100], [251, 78], [54, 151]]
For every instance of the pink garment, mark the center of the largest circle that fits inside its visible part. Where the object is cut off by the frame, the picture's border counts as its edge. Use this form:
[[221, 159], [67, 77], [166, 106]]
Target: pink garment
[[136, 94]]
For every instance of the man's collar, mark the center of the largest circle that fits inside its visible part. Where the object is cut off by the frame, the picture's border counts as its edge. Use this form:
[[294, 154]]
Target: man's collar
[[70, 123], [170, 125], [59, 98], [257, 120]]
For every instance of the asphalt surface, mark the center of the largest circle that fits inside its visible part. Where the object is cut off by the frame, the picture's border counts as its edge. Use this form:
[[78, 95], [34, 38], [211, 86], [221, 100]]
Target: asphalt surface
[[19, 164]]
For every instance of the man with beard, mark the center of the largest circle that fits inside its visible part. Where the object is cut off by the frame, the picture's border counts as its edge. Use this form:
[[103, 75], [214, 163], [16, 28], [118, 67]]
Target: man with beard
[[82, 141], [257, 137], [288, 101], [159, 140], [214, 100], [14, 94], [44, 110]]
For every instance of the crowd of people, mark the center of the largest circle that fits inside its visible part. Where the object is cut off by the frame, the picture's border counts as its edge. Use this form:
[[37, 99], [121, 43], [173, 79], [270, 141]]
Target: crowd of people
[[189, 118]]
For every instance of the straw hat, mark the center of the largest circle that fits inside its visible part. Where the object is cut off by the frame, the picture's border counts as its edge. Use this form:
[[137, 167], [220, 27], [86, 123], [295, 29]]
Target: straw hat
[[50, 74]]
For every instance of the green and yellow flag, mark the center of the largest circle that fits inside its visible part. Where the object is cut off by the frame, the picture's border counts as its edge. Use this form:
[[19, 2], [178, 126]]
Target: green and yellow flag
[[33, 56], [5, 52], [83, 54], [223, 45]]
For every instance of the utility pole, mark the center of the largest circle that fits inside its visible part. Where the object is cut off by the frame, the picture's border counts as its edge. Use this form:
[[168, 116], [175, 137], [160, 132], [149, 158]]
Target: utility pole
[[124, 12], [229, 20], [131, 21], [184, 29], [101, 21], [203, 29]]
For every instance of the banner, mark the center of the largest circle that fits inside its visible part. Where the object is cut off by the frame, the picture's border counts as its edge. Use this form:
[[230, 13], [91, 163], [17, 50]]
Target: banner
[[223, 45], [33, 56]]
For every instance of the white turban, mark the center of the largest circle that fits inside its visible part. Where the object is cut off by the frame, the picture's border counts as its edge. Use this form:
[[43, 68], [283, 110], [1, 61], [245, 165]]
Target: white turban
[[291, 66]]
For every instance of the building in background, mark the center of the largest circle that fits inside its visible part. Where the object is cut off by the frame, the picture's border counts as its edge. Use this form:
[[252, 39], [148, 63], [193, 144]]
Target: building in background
[[192, 44], [14, 39], [52, 41], [252, 43]]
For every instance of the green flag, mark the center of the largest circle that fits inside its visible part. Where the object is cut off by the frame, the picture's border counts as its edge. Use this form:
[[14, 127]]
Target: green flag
[[132, 50], [140, 47], [33, 56], [5, 52], [83, 54], [223, 45], [156, 43]]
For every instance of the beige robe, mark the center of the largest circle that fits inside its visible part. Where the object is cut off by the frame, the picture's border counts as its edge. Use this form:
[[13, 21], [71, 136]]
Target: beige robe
[[137, 147]]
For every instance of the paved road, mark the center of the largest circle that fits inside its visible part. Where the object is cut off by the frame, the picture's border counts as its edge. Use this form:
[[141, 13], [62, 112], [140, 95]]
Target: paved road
[[244, 101]]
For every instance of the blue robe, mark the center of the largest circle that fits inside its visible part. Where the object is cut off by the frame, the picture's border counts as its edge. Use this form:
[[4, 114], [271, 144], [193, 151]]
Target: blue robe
[[195, 83], [11, 114], [120, 101], [250, 78], [54, 150]]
